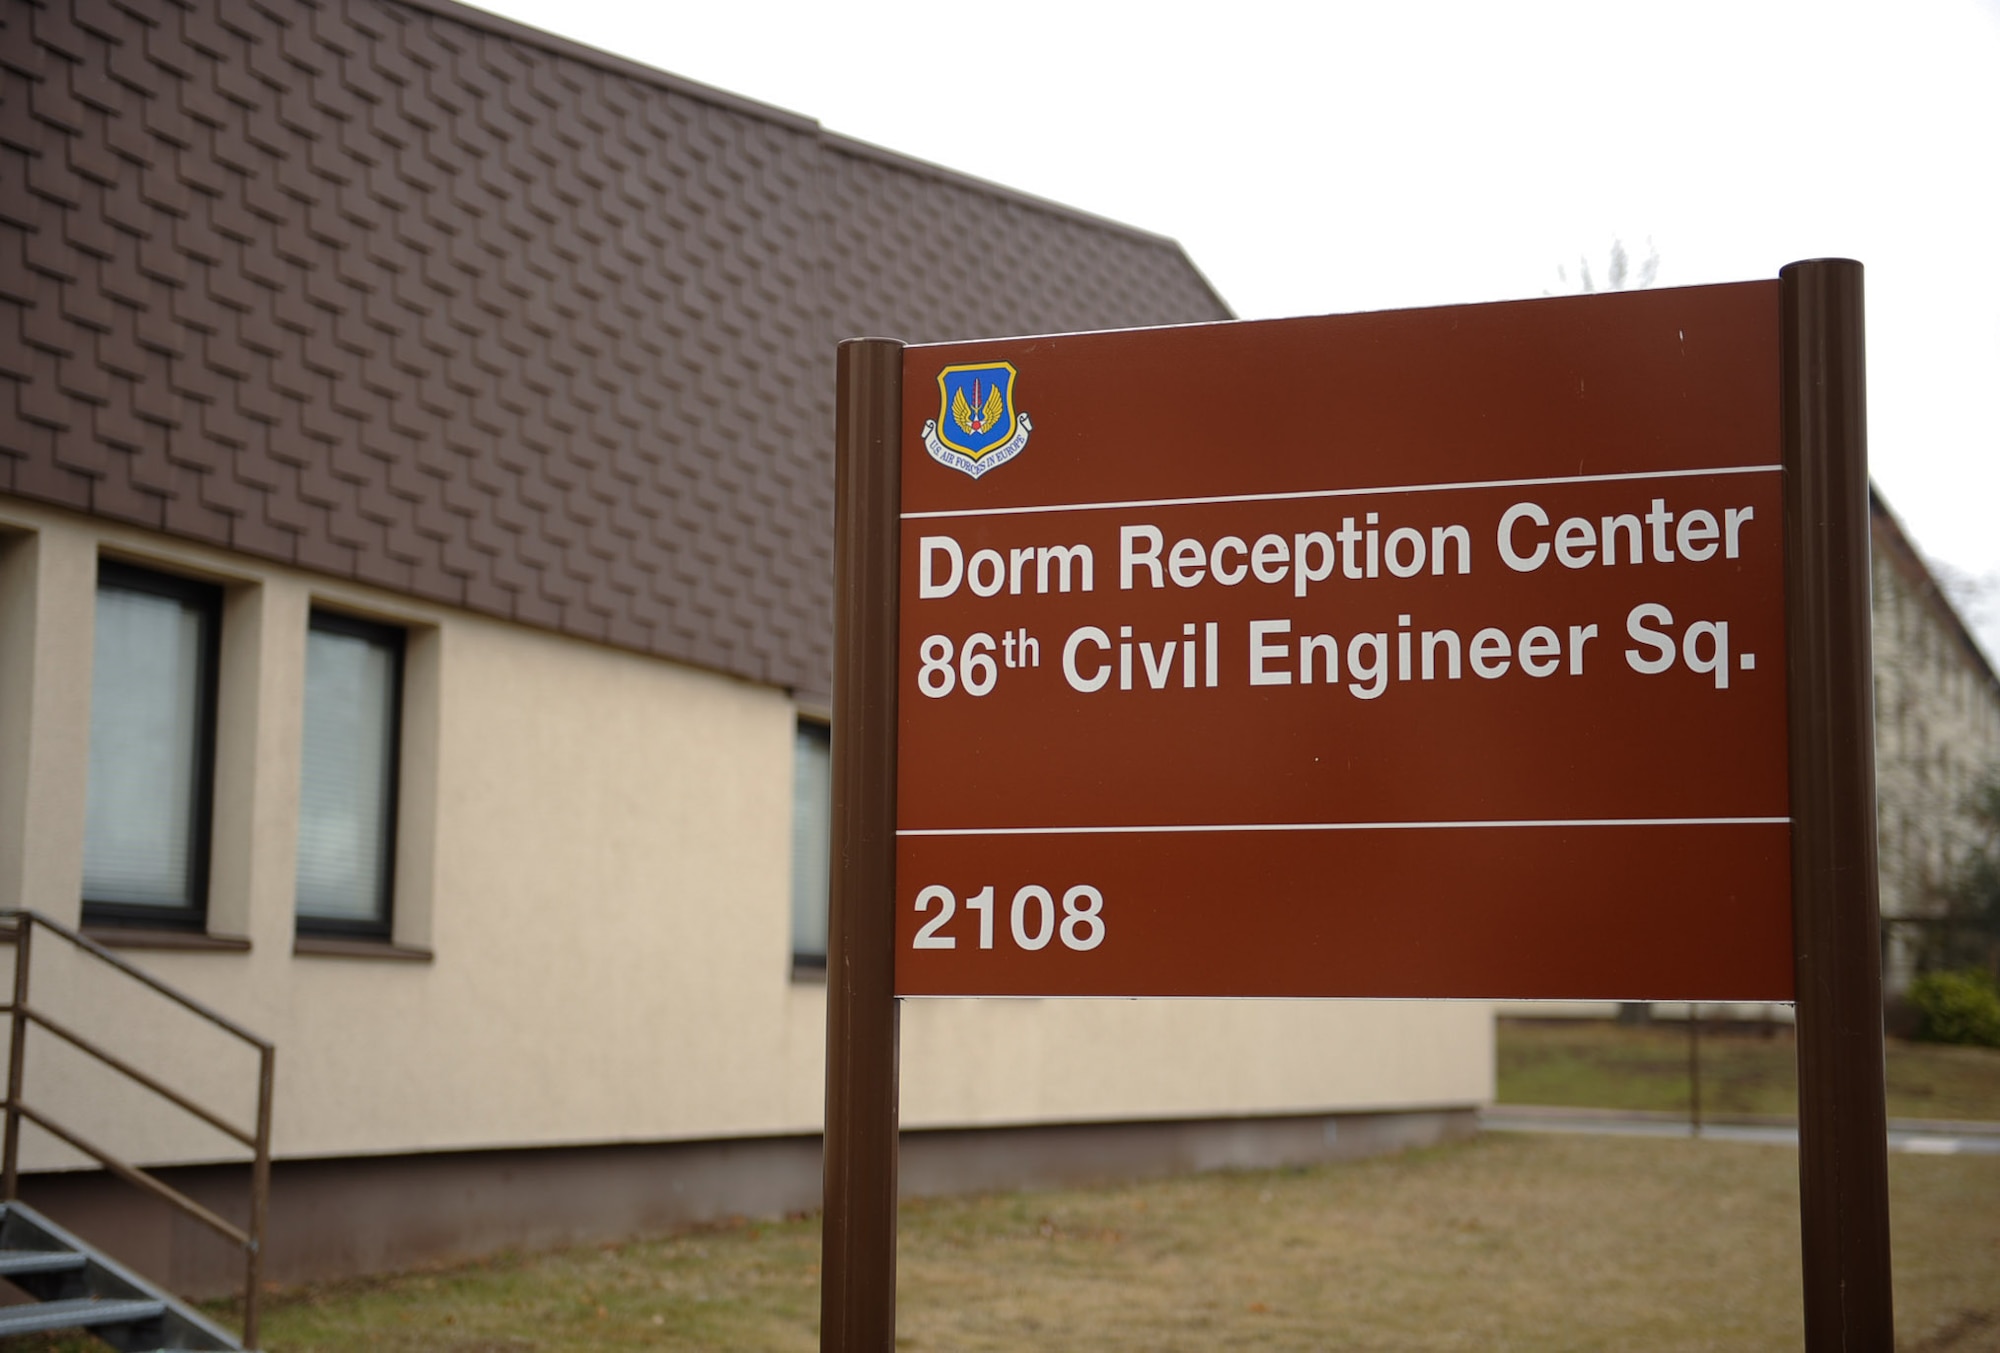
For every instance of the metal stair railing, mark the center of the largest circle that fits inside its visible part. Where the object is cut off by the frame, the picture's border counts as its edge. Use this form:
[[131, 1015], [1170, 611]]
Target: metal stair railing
[[22, 1014]]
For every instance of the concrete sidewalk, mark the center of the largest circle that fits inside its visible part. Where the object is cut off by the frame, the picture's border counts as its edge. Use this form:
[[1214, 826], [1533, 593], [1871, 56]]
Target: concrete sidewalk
[[1912, 1135]]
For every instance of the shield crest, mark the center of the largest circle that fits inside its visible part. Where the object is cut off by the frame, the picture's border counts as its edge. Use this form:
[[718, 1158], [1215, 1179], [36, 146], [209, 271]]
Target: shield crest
[[977, 427]]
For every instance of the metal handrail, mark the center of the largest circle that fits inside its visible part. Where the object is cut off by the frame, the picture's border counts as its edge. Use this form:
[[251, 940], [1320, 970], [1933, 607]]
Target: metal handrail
[[21, 1015], [132, 1174], [138, 974], [164, 1091]]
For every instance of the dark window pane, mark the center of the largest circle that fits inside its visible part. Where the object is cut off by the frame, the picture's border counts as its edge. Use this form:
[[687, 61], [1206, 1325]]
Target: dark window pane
[[812, 810], [145, 819], [348, 773]]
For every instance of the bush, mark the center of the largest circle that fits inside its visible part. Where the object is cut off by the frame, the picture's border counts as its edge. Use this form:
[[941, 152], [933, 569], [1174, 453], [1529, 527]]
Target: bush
[[1957, 1007]]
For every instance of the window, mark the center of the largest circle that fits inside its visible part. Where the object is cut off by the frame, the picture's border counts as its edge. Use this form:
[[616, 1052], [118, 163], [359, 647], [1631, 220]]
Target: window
[[347, 779], [812, 817], [152, 748]]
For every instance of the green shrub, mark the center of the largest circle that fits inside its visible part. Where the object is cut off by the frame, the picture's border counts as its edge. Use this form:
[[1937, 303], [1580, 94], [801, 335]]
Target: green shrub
[[1957, 1007]]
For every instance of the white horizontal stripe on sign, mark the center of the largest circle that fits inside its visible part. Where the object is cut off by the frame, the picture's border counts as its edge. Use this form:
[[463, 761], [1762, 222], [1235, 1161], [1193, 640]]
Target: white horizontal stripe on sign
[[1351, 826], [1342, 493]]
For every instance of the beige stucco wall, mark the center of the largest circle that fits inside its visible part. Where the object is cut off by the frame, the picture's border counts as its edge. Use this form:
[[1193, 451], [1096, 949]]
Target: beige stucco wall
[[594, 847]]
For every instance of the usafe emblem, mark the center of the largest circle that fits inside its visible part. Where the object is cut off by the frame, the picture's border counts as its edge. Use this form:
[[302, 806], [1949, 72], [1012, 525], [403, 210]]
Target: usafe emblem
[[977, 427]]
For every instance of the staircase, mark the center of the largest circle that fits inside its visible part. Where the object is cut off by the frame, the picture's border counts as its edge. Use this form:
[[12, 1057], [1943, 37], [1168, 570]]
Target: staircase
[[75, 1287], [72, 1285]]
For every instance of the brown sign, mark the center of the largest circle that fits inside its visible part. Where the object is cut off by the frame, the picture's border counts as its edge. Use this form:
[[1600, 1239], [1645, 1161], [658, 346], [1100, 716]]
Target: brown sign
[[1433, 653], [1438, 653]]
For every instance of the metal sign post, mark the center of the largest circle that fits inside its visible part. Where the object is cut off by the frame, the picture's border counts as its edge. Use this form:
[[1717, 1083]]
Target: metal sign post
[[1836, 935], [858, 1262]]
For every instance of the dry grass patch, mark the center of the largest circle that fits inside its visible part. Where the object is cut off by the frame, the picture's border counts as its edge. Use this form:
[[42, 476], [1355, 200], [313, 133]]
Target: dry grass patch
[[1509, 1243], [739, 1286]]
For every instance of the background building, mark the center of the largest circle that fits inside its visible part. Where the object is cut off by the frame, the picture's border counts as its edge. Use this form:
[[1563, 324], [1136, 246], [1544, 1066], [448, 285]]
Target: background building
[[415, 500], [1937, 737]]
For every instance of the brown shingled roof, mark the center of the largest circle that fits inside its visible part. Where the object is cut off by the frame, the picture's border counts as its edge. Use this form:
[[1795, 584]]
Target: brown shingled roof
[[401, 292]]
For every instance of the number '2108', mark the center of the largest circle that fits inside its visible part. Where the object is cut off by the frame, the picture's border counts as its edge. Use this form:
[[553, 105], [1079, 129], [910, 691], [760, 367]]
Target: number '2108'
[[1032, 918]]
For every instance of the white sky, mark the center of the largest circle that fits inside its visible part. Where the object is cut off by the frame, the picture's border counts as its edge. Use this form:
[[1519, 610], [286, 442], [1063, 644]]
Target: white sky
[[1323, 158]]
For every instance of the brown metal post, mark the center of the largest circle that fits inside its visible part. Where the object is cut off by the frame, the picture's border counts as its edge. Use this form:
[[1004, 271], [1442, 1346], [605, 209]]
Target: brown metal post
[[260, 1199], [17, 1055], [858, 1232], [1836, 929]]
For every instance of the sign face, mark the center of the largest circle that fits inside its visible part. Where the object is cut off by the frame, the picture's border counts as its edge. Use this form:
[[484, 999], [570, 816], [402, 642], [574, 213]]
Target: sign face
[[1432, 653]]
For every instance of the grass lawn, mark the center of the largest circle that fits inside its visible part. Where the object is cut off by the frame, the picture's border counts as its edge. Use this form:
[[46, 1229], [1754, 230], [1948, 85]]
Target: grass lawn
[[1508, 1242], [1598, 1064]]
